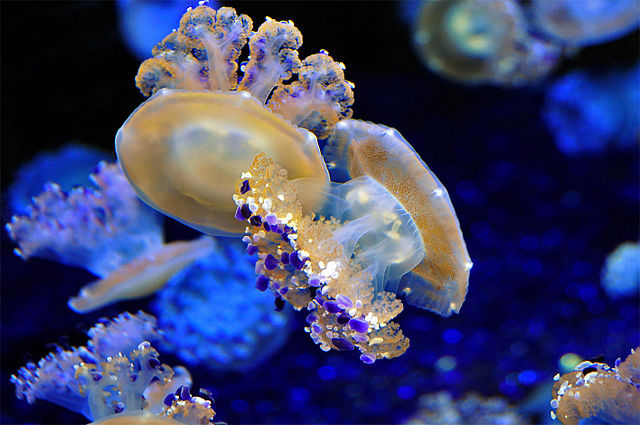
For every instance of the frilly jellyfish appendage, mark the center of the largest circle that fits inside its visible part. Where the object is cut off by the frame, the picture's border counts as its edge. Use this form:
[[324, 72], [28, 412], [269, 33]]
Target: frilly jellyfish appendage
[[390, 229], [180, 147], [106, 230], [438, 281], [212, 317], [142, 276], [182, 152], [586, 22], [480, 42], [100, 229], [116, 375], [67, 166], [597, 393], [621, 272]]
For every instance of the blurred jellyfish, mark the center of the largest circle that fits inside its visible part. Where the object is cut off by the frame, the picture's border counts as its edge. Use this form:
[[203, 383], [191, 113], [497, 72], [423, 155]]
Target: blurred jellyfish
[[115, 375], [143, 22], [588, 112], [441, 409], [621, 272], [481, 42], [586, 22], [390, 230], [68, 166], [211, 315], [106, 230], [183, 149], [597, 393]]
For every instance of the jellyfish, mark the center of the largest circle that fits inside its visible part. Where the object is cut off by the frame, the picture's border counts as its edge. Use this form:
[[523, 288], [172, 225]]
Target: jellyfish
[[116, 373], [586, 22], [106, 230], [441, 409], [621, 273], [599, 393], [481, 42], [390, 229], [184, 147], [589, 112], [211, 316], [142, 23]]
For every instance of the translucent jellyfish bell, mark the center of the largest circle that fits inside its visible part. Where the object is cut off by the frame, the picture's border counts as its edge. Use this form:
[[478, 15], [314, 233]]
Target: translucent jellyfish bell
[[481, 42], [183, 151], [586, 22], [426, 239]]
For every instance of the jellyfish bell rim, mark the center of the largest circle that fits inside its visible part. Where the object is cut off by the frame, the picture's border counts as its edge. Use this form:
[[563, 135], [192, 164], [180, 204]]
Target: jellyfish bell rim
[[299, 140], [419, 276]]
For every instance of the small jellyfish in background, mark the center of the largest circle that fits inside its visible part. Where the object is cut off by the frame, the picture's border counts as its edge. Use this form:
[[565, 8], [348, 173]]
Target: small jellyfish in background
[[390, 229], [586, 22], [441, 409], [108, 231], [621, 272], [590, 112], [183, 149], [212, 316], [481, 42], [597, 393], [68, 166], [143, 22], [116, 378]]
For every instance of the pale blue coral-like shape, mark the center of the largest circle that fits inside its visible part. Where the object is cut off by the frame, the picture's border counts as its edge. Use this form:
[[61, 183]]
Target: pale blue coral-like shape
[[621, 272], [212, 315], [100, 229], [68, 166], [588, 113]]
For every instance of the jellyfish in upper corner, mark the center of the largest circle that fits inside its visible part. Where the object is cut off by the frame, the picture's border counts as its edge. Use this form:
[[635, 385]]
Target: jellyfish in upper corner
[[211, 316], [389, 230], [68, 166], [106, 230], [586, 22], [621, 272], [481, 42], [597, 393], [208, 116], [143, 22], [589, 112], [116, 378]]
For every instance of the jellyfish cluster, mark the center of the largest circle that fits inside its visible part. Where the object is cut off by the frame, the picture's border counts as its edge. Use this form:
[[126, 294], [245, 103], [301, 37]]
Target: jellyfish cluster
[[507, 43], [291, 203], [227, 154], [115, 378]]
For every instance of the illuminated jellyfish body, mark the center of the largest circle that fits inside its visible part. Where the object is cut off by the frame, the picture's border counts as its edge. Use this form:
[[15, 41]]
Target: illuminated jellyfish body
[[481, 42], [586, 22], [597, 393], [588, 113], [621, 272], [68, 166], [441, 409], [117, 375], [108, 231], [183, 149], [212, 316], [143, 22], [390, 229]]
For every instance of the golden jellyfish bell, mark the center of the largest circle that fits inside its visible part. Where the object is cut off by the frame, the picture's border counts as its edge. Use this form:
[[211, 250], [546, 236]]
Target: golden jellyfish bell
[[439, 280], [183, 151], [137, 418]]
